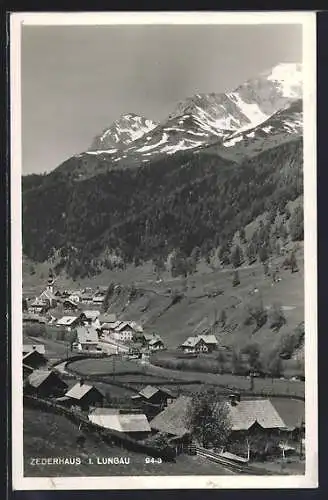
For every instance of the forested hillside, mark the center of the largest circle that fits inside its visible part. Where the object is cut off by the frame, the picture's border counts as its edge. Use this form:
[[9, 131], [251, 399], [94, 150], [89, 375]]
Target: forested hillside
[[177, 203]]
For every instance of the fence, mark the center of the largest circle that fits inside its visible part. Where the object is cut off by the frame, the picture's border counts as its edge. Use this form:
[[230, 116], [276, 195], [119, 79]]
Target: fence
[[109, 436]]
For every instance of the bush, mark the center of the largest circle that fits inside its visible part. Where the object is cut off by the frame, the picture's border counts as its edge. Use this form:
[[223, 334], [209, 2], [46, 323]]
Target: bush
[[256, 314]]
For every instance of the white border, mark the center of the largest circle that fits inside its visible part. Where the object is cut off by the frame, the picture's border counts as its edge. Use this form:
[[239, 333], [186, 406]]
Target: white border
[[310, 479]]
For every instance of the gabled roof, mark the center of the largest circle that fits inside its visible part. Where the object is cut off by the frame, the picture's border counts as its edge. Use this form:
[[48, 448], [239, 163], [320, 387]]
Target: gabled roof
[[151, 336], [71, 302], [116, 324], [48, 295], [122, 326], [291, 411], [191, 341], [209, 339], [28, 348], [148, 391], [172, 420], [246, 413], [136, 326], [78, 391], [86, 334], [67, 320], [39, 376], [130, 422], [156, 341]]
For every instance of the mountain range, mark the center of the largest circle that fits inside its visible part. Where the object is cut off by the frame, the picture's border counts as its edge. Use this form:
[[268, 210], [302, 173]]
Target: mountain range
[[139, 188]]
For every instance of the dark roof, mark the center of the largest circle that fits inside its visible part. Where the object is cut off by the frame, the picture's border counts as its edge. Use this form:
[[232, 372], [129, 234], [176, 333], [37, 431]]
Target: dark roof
[[39, 376], [172, 420], [245, 414], [291, 411], [78, 391]]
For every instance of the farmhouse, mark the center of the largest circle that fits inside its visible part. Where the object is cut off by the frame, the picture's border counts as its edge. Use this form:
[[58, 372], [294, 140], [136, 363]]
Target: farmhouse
[[45, 383], [211, 342], [154, 395], [38, 307], [34, 359], [151, 340], [84, 396], [156, 344], [200, 343], [132, 424], [254, 416], [172, 423], [70, 322], [194, 344], [40, 348], [87, 338]]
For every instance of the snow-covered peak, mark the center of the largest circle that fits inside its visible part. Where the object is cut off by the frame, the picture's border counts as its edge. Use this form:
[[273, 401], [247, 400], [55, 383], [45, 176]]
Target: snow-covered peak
[[128, 128]]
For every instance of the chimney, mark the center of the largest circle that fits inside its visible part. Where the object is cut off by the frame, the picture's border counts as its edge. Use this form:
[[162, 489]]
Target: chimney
[[81, 381], [234, 399]]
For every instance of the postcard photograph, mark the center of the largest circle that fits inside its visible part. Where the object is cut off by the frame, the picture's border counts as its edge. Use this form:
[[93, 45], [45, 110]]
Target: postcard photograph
[[163, 250]]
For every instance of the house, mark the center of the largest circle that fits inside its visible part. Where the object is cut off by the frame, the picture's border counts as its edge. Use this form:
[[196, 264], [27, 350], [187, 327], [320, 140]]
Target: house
[[123, 332], [29, 317], [38, 307], [194, 344], [70, 322], [132, 424], [84, 396], [156, 344], [40, 348], [211, 342], [200, 343], [70, 305], [155, 395], [86, 297], [292, 412], [34, 359], [98, 299], [87, 339], [253, 416], [74, 297], [45, 383], [172, 422], [91, 316]]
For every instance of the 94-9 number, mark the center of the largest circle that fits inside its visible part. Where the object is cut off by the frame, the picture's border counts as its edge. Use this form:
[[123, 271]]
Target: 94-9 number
[[152, 460]]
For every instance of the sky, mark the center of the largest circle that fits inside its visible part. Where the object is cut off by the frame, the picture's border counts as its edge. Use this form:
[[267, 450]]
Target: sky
[[76, 80]]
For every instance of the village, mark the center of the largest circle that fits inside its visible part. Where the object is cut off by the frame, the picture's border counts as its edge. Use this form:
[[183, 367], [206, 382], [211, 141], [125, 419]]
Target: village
[[151, 417]]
